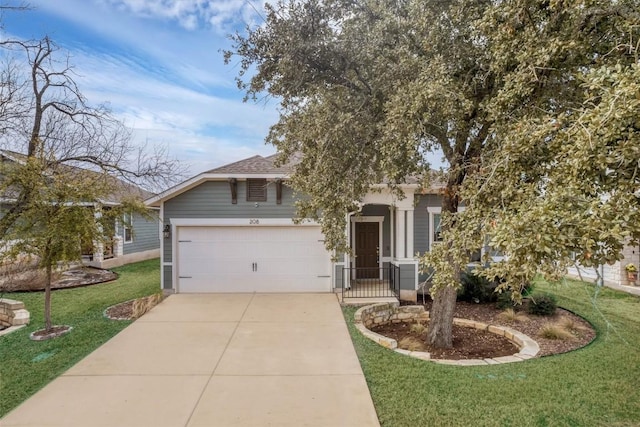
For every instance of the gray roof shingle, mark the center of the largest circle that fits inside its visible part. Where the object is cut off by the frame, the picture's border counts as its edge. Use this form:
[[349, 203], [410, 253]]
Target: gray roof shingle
[[257, 165]]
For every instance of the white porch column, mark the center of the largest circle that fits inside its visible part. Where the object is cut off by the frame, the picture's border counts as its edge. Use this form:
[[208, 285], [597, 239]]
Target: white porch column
[[346, 257], [400, 232], [392, 231], [409, 224]]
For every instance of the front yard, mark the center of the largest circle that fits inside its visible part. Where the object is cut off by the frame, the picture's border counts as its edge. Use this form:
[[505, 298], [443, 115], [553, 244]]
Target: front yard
[[26, 366], [595, 386]]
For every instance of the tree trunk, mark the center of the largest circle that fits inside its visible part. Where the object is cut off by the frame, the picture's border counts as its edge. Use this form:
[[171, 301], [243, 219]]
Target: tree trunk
[[47, 300], [440, 334]]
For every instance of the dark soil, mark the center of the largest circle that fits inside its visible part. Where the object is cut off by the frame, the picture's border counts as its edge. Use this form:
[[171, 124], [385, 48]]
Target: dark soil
[[122, 311], [131, 310], [468, 343], [471, 343]]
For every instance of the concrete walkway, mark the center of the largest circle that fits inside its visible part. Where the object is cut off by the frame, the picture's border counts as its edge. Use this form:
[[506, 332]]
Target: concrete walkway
[[215, 360]]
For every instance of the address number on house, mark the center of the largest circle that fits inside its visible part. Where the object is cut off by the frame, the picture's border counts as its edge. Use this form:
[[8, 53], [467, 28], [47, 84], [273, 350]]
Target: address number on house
[[254, 222]]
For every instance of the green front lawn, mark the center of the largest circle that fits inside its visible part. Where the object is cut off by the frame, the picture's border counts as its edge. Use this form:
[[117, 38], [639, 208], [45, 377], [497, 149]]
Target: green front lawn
[[598, 385], [26, 366]]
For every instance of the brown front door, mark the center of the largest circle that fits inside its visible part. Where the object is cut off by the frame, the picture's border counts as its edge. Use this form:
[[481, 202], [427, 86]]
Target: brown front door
[[367, 239]]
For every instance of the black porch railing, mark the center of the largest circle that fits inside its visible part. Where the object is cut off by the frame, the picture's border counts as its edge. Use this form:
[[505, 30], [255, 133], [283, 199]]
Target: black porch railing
[[377, 282]]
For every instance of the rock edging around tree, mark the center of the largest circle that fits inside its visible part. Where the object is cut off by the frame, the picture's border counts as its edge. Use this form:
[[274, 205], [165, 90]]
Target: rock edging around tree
[[383, 313], [55, 332]]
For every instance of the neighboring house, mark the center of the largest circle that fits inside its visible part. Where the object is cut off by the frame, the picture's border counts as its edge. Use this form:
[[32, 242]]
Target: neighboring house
[[135, 238], [614, 274], [132, 238], [231, 230]]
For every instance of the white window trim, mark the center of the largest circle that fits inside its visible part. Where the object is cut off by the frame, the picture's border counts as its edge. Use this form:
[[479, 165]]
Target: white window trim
[[124, 228], [432, 213]]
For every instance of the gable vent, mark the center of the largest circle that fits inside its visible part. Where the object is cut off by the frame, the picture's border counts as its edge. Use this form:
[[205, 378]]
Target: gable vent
[[256, 190]]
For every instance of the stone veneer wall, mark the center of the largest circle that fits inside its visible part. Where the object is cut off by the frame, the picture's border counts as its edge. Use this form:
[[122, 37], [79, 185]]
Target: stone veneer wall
[[13, 313], [379, 314]]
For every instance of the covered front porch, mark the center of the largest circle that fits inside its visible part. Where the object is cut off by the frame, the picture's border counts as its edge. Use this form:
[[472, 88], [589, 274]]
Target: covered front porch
[[382, 262]]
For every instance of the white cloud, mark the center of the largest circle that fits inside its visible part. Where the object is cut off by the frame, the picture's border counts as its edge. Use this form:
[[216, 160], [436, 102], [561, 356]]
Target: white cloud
[[201, 153], [192, 56], [191, 123], [221, 15], [168, 84]]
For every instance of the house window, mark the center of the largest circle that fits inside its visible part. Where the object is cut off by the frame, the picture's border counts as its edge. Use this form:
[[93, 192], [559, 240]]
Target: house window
[[437, 236], [256, 190], [127, 229], [435, 217]]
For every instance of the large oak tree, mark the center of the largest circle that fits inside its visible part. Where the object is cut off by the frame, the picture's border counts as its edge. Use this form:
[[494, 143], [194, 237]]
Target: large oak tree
[[561, 184], [368, 87]]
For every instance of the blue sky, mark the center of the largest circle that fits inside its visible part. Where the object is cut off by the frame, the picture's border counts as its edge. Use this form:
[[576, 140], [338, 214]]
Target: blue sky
[[159, 66]]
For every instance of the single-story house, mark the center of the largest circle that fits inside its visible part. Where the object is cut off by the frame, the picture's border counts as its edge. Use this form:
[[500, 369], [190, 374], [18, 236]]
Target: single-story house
[[132, 238], [231, 230]]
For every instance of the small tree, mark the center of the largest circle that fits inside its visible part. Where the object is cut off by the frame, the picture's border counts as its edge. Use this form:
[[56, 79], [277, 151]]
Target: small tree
[[57, 218], [47, 116], [71, 157]]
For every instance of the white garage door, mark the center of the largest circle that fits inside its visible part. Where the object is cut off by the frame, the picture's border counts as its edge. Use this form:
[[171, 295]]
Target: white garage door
[[252, 259]]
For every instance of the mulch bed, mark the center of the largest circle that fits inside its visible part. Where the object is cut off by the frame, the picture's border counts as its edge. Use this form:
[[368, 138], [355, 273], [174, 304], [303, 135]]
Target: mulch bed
[[122, 311], [34, 280], [468, 343], [471, 343], [54, 332]]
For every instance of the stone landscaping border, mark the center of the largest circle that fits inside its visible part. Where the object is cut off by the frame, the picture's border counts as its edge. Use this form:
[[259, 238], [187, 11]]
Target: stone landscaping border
[[50, 335], [13, 315], [391, 312]]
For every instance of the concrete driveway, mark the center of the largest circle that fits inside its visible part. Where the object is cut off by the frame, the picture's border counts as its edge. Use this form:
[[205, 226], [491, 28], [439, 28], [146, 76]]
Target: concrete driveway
[[215, 360]]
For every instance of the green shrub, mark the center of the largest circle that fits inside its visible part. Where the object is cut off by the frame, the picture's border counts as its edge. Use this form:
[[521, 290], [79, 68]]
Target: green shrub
[[542, 305], [476, 288], [527, 290], [504, 301]]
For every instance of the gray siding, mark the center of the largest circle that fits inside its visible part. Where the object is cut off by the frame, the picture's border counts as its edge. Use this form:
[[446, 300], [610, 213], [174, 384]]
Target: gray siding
[[421, 223], [421, 220], [145, 234], [167, 270], [212, 199], [407, 276]]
